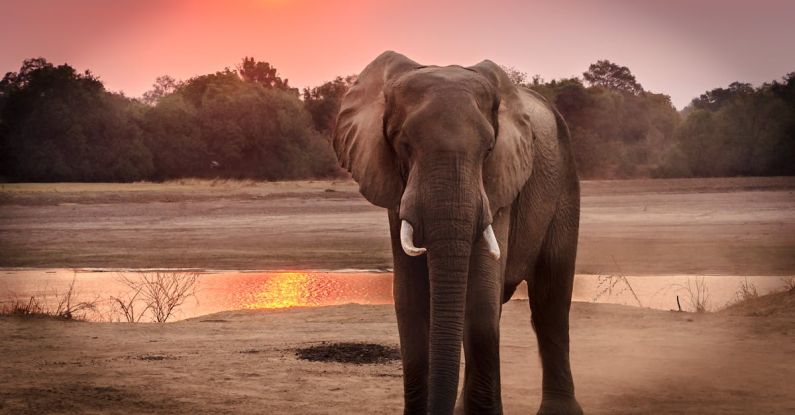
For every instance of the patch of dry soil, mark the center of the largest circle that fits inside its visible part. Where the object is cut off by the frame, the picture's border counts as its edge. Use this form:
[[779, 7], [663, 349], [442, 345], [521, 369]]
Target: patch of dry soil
[[625, 361]]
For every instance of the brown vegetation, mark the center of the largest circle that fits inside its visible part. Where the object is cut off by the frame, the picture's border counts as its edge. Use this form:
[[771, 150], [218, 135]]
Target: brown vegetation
[[157, 294], [161, 292], [57, 305], [697, 294], [63, 125], [781, 303]]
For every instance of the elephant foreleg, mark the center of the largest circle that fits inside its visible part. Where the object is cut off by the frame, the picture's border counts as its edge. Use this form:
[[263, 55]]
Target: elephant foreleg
[[412, 307], [550, 299]]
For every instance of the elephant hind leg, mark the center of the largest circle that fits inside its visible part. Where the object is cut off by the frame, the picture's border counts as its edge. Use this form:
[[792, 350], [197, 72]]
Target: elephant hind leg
[[550, 290]]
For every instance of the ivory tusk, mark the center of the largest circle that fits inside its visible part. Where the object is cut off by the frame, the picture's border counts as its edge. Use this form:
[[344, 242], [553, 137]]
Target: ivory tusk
[[491, 240], [407, 240]]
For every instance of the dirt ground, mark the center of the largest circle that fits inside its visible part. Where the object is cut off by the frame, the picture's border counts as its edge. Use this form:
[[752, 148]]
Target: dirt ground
[[625, 360], [738, 226]]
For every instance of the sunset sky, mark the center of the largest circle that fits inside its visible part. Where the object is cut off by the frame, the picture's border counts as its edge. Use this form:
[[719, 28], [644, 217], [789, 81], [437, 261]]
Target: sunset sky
[[680, 48]]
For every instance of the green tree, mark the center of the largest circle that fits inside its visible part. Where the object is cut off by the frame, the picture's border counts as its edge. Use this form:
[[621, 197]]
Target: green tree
[[736, 131], [755, 130], [715, 99], [173, 135], [164, 85], [612, 76], [264, 74], [516, 76], [614, 133], [221, 124], [197, 88], [58, 124], [323, 102], [697, 142]]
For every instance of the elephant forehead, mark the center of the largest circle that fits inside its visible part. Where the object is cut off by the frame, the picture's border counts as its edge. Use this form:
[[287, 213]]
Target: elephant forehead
[[441, 79]]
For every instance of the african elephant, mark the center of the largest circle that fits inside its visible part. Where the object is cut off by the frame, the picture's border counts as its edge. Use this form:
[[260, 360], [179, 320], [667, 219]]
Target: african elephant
[[479, 182]]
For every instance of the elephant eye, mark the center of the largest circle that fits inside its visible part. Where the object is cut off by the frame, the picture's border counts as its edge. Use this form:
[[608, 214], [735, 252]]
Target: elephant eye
[[405, 148], [488, 151]]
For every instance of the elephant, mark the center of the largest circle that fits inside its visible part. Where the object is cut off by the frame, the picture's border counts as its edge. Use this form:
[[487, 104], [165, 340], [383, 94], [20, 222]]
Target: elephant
[[479, 182]]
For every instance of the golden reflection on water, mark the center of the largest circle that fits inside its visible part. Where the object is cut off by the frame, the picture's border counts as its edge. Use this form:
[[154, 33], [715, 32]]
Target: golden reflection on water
[[283, 290], [221, 291], [276, 290]]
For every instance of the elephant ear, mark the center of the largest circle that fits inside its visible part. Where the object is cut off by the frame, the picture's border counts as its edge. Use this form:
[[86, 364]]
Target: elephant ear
[[359, 132], [510, 163]]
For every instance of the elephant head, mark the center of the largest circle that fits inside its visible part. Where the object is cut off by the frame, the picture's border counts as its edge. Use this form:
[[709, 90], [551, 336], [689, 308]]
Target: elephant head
[[445, 147]]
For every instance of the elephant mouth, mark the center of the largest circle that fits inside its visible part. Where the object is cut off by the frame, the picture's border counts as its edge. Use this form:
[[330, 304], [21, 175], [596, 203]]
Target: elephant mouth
[[407, 241]]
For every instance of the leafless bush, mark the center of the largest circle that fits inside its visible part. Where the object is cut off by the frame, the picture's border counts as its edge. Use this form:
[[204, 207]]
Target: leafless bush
[[20, 308], [126, 306], [65, 305], [746, 291], [789, 284], [68, 309], [161, 293], [607, 285], [697, 293]]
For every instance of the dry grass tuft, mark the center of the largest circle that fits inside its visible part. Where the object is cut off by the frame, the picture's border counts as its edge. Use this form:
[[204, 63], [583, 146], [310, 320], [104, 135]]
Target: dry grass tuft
[[789, 284], [216, 182], [607, 285], [698, 295], [19, 308], [66, 307]]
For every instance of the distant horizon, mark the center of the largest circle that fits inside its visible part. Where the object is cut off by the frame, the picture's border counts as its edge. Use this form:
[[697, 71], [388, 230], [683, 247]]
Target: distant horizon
[[677, 48]]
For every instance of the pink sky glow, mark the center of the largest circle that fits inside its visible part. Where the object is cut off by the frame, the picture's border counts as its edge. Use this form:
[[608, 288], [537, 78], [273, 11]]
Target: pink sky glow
[[680, 48]]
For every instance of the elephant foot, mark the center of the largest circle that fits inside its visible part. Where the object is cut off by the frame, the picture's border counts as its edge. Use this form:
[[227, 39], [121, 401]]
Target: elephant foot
[[559, 406], [460, 410]]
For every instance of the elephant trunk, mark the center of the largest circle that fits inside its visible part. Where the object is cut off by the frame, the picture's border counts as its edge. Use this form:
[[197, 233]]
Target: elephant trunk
[[448, 264], [451, 221]]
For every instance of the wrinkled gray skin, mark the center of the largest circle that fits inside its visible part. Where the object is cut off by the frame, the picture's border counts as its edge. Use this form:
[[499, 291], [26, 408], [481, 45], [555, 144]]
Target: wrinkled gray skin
[[452, 150]]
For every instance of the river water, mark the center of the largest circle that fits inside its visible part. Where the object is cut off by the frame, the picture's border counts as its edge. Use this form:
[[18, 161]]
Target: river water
[[233, 290]]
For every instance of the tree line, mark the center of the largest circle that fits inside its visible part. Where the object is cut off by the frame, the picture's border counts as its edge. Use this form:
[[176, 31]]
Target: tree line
[[620, 130], [58, 124]]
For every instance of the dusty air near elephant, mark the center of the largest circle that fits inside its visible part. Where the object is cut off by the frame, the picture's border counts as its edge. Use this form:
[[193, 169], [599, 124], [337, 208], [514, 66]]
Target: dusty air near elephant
[[479, 181]]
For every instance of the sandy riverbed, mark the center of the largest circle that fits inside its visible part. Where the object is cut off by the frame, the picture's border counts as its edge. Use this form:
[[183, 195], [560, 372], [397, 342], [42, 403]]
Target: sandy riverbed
[[741, 226], [626, 361]]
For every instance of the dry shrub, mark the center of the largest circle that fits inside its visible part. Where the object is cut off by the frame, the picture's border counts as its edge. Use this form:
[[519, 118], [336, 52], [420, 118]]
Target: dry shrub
[[213, 182], [607, 285], [30, 308], [160, 293], [125, 307], [746, 291], [789, 284], [69, 309], [66, 307], [697, 294]]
